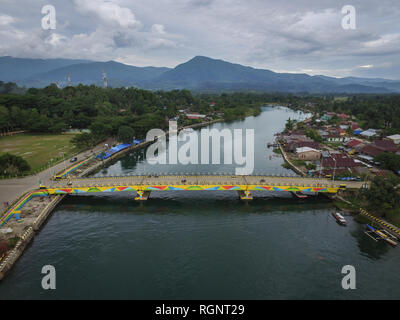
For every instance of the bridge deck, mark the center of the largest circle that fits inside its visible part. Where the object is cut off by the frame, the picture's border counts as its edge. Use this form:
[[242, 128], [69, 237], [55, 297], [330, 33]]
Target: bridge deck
[[200, 182]]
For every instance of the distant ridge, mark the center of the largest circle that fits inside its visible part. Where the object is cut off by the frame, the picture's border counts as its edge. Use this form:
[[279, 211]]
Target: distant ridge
[[200, 74]]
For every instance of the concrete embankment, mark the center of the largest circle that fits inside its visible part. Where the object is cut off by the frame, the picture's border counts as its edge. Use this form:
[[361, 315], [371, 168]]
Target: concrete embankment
[[286, 158], [101, 164], [13, 255]]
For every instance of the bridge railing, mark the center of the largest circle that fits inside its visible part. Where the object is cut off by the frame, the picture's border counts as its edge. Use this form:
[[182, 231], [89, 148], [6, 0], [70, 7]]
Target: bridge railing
[[191, 174]]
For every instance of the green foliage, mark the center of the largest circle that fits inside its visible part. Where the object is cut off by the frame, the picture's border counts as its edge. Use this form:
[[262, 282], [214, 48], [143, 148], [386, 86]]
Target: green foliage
[[383, 194], [126, 134], [313, 135], [84, 140], [389, 161], [289, 124], [11, 165]]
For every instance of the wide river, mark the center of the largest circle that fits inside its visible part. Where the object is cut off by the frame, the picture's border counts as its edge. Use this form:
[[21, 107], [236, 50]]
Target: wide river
[[204, 244]]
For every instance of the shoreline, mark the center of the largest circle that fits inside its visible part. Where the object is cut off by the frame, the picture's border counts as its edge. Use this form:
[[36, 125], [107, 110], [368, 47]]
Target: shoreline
[[8, 261]]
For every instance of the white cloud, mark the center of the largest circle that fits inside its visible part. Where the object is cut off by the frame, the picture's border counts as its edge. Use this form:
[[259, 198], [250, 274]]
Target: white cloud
[[109, 12], [6, 20], [158, 29]]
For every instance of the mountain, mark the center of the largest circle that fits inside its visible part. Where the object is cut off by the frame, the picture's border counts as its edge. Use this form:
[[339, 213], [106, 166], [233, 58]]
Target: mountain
[[16, 69], [201, 74], [118, 74], [206, 74]]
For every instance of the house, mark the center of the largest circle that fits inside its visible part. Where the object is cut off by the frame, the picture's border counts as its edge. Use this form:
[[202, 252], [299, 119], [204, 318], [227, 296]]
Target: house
[[339, 161], [334, 138], [326, 118], [306, 153], [344, 116], [368, 133], [371, 150], [195, 115], [395, 138], [386, 145], [353, 143], [292, 146]]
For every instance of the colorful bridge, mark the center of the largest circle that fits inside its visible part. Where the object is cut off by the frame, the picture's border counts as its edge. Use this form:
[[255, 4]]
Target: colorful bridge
[[143, 185]]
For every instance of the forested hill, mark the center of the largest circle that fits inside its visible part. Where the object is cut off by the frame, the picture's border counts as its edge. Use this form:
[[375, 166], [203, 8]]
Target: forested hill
[[105, 110], [200, 74]]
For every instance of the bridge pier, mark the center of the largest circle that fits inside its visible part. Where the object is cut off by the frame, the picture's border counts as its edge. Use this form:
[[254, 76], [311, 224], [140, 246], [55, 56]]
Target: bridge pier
[[142, 195], [245, 195]]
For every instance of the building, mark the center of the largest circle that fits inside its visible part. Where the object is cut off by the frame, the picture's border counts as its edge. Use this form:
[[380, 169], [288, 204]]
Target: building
[[306, 153], [335, 138], [368, 133], [395, 138], [292, 146], [353, 143], [195, 115], [371, 150], [339, 161], [386, 145]]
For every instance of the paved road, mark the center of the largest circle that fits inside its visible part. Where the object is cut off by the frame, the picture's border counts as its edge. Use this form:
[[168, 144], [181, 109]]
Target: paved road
[[11, 189], [202, 180]]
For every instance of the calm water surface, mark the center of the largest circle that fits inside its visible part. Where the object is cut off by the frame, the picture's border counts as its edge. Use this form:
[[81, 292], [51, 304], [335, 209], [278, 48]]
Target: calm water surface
[[204, 245]]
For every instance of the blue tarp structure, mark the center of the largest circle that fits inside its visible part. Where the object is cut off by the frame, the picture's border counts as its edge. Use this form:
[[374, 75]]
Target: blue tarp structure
[[112, 151], [135, 142], [358, 131]]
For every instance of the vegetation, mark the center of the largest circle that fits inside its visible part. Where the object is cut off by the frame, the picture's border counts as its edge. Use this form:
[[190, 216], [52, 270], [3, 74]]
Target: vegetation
[[38, 150], [13, 165], [126, 134], [383, 195], [389, 161]]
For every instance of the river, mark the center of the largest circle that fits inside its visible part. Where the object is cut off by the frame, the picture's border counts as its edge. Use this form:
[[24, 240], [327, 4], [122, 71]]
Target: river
[[203, 244]]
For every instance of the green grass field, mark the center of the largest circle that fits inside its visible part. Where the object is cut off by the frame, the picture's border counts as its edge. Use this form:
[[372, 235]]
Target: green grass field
[[38, 149]]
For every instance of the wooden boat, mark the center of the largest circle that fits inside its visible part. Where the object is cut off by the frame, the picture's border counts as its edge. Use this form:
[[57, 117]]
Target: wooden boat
[[384, 235], [299, 195], [339, 218]]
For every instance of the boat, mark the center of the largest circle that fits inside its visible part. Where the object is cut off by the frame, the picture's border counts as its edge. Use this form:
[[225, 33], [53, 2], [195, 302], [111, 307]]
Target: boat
[[188, 130], [339, 218], [383, 235], [299, 195]]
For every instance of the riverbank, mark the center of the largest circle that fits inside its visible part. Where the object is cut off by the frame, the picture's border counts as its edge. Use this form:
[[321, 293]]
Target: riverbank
[[34, 214], [33, 210], [342, 153]]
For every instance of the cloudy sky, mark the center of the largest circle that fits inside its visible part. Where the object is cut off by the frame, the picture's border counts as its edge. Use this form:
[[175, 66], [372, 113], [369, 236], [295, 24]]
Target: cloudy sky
[[280, 35]]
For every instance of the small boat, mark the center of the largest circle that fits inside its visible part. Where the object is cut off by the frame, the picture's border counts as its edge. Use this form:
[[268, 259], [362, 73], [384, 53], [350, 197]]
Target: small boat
[[339, 218], [299, 195], [188, 130], [384, 235]]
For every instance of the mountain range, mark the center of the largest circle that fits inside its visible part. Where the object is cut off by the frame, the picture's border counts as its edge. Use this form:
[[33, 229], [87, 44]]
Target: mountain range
[[200, 74]]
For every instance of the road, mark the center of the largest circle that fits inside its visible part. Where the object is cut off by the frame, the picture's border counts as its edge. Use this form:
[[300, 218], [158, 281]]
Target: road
[[201, 180], [11, 189]]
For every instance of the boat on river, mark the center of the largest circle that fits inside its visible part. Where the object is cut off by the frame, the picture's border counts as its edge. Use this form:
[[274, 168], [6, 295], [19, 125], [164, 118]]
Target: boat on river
[[339, 218], [381, 235]]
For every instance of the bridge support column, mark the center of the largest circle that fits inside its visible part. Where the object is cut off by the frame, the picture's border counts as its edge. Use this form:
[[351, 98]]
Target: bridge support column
[[142, 195], [245, 195]]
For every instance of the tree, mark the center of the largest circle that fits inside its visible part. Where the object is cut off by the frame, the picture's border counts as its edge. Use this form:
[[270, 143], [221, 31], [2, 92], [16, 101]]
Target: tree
[[83, 140], [13, 165], [382, 195], [389, 161], [126, 134]]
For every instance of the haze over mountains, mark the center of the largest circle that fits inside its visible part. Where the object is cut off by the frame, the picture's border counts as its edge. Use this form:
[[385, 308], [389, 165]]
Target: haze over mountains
[[198, 74]]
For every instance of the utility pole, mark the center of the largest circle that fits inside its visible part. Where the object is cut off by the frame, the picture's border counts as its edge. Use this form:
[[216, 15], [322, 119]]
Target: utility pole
[[334, 169], [105, 83]]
